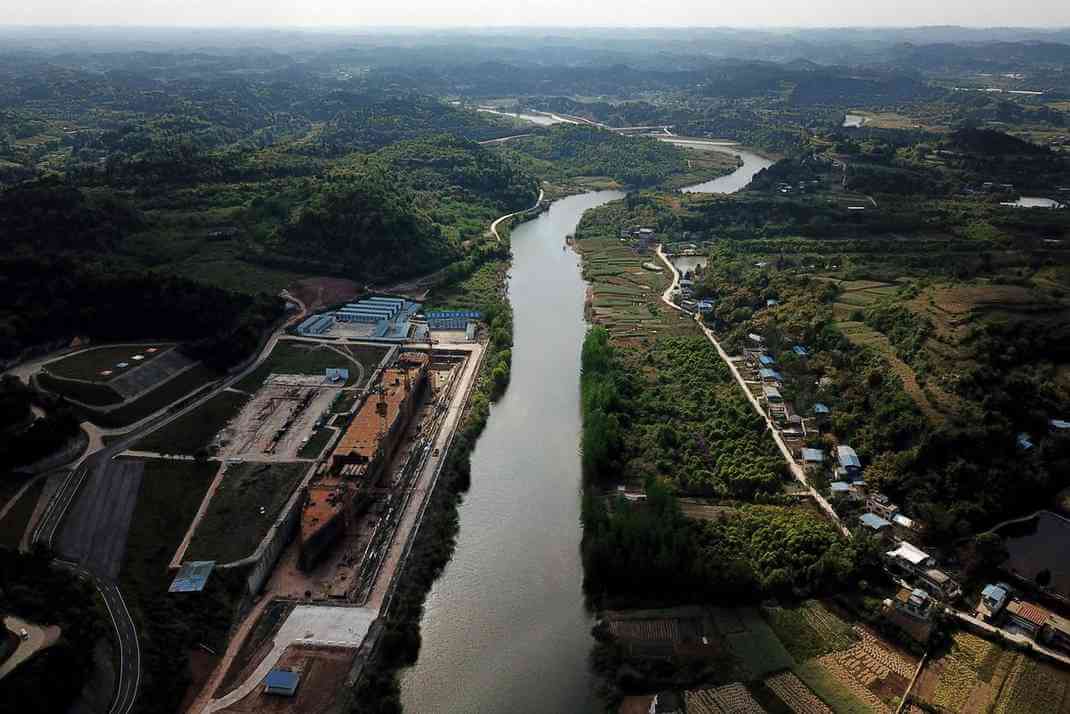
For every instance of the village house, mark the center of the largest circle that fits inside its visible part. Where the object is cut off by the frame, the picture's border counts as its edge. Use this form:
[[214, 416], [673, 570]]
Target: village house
[[993, 598]]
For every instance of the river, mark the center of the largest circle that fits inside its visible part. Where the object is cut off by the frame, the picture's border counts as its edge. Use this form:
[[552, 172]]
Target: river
[[540, 119], [505, 628]]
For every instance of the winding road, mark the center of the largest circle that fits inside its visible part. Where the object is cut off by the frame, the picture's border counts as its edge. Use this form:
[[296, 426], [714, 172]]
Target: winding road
[[51, 522], [507, 216]]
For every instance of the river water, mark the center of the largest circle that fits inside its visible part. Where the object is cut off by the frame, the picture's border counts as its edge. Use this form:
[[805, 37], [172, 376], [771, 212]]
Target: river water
[[730, 183], [505, 628]]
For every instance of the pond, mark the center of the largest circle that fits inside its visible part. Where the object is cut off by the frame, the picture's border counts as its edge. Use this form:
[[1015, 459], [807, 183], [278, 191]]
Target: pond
[[1040, 543]]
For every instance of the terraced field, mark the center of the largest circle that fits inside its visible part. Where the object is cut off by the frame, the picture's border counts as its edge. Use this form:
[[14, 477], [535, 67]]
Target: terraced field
[[804, 658], [977, 676], [729, 699], [625, 297]]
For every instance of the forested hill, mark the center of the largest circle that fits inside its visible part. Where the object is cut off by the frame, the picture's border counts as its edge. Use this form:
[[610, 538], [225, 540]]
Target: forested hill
[[582, 150], [199, 186], [369, 226]]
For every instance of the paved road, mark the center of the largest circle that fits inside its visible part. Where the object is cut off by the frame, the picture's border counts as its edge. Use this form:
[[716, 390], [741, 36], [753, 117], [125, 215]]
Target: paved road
[[796, 470], [494, 226], [129, 649]]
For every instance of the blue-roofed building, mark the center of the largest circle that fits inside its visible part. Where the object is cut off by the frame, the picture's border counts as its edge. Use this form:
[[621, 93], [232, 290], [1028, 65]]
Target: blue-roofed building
[[821, 409], [1024, 442], [192, 576], [770, 374], [800, 350], [840, 487], [874, 522], [993, 598], [1059, 425], [316, 325], [766, 360], [705, 306], [812, 456], [281, 682], [452, 319], [772, 302], [337, 375], [850, 464], [772, 395]]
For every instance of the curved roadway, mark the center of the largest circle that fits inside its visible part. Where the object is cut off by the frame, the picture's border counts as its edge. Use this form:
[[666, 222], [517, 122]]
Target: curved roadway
[[44, 533]]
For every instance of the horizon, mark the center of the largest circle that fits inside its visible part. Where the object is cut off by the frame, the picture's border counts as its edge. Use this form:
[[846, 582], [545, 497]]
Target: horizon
[[564, 14]]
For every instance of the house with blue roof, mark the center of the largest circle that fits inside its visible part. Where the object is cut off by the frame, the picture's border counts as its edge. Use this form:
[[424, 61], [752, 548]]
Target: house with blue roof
[[850, 465], [874, 523], [770, 374], [766, 360], [281, 682], [800, 350]]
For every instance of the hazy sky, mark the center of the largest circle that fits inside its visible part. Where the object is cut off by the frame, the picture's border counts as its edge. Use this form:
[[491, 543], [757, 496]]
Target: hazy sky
[[482, 13]]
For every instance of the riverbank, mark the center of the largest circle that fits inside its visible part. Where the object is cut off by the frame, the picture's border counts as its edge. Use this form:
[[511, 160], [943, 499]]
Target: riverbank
[[507, 615]]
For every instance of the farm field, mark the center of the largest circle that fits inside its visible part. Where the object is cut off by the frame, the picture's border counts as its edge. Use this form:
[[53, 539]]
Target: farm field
[[803, 658], [977, 676], [625, 297], [91, 364], [244, 506], [291, 357], [863, 335]]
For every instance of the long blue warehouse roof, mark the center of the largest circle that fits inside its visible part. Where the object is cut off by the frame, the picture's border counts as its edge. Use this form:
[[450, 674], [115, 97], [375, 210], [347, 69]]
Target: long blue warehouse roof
[[445, 314], [376, 310]]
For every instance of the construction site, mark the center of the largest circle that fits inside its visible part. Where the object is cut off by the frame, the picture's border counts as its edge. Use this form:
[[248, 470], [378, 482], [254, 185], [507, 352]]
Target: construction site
[[280, 418], [345, 528]]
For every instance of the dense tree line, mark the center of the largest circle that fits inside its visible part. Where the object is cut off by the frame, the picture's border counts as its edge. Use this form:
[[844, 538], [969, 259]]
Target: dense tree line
[[649, 553], [580, 150], [57, 298], [32, 588], [689, 424], [25, 438]]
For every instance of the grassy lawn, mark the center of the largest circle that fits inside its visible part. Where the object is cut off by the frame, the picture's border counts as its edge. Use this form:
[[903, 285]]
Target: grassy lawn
[[88, 365], [14, 523], [344, 402], [92, 393], [156, 399], [307, 358], [316, 443], [170, 625], [196, 429], [247, 502]]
